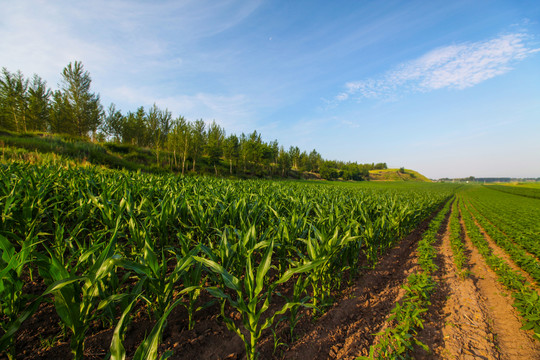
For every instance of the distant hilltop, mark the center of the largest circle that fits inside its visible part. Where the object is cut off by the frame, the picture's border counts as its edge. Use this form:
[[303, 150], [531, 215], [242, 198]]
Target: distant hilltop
[[396, 175]]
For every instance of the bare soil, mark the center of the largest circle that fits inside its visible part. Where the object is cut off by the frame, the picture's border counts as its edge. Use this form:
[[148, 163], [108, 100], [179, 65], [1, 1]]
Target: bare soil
[[470, 318]]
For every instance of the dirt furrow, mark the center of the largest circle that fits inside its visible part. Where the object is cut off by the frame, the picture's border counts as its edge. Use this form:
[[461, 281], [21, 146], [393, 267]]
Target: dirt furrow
[[346, 331], [457, 326]]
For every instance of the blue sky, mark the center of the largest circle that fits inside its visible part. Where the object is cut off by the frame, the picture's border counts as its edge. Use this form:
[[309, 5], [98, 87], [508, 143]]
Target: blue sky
[[448, 88]]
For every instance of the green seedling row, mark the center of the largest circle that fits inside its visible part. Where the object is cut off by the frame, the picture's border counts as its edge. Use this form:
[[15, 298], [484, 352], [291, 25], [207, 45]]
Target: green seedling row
[[526, 299], [524, 260], [515, 216], [407, 317], [456, 241]]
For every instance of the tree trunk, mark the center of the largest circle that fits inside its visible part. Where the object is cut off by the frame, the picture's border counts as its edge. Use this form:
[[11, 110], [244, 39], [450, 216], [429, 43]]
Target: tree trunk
[[230, 166], [184, 156]]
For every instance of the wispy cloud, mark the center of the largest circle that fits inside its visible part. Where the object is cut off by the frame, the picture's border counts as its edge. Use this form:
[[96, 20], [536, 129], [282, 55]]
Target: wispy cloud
[[233, 112], [455, 67]]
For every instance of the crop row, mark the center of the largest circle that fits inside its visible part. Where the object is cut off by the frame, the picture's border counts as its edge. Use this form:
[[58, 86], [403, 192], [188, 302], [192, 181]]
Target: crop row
[[105, 244], [522, 258], [517, 190], [407, 316], [526, 299], [456, 243], [515, 216]]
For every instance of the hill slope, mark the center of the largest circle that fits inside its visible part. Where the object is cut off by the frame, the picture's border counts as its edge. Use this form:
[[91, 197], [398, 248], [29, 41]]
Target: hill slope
[[39, 147], [396, 175]]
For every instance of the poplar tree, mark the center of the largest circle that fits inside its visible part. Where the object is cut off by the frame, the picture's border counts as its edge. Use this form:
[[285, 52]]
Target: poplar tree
[[198, 137], [81, 106]]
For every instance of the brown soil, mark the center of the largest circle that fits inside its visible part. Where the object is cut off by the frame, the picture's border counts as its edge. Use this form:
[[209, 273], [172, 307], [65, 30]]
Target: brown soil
[[457, 326], [469, 318], [347, 329], [472, 317]]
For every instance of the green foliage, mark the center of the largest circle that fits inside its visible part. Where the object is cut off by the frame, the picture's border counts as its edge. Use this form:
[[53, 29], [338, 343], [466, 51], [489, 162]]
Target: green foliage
[[105, 239], [516, 190], [526, 299]]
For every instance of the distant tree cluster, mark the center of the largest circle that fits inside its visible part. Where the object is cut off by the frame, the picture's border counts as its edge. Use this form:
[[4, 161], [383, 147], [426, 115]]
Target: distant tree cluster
[[29, 105]]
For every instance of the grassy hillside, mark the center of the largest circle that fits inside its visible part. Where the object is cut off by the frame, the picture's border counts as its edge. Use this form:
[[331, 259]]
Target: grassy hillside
[[39, 147], [43, 147], [396, 175]]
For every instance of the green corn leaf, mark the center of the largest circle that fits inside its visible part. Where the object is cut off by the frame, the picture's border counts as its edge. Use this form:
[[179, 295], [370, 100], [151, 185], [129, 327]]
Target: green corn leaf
[[263, 268], [117, 350], [148, 350], [300, 269], [229, 280]]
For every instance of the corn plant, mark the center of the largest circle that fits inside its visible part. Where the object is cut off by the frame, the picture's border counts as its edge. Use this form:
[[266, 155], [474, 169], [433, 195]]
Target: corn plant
[[148, 349], [12, 298], [325, 249], [249, 299], [299, 298], [192, 281], [160, 282], [77, 297]]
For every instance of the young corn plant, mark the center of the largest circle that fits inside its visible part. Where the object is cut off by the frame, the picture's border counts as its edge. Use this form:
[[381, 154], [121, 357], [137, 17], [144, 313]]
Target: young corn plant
[[160, 282], [12, 298], [325, 250], [77, 297], [148, 349], [248, 297], [299, 298]]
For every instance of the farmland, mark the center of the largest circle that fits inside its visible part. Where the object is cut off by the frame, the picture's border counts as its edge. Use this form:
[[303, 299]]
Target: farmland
[[103, 263]]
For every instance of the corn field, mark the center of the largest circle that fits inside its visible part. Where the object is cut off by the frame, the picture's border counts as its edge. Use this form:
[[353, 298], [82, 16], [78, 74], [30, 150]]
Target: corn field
[[104, 245]]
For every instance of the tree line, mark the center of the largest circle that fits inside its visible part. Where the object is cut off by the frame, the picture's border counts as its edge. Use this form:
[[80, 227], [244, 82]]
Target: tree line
[[28, 105]]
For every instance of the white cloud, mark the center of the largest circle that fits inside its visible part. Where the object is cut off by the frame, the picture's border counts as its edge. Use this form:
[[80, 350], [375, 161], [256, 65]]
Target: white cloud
[[230, 111], [115, 39], [455, 67]]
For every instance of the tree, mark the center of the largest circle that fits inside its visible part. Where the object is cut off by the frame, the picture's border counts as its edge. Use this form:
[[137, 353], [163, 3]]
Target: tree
[[134, 128], [179, 139], [82, 106], [158, 125], [284, 161], [114, 123], [38, 104], [198, 135], [59, 117], [214, 143], [314, 161], [231, 150], [273, 148], [14, 100], [244, 150], [254, 150], [294, 153]]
